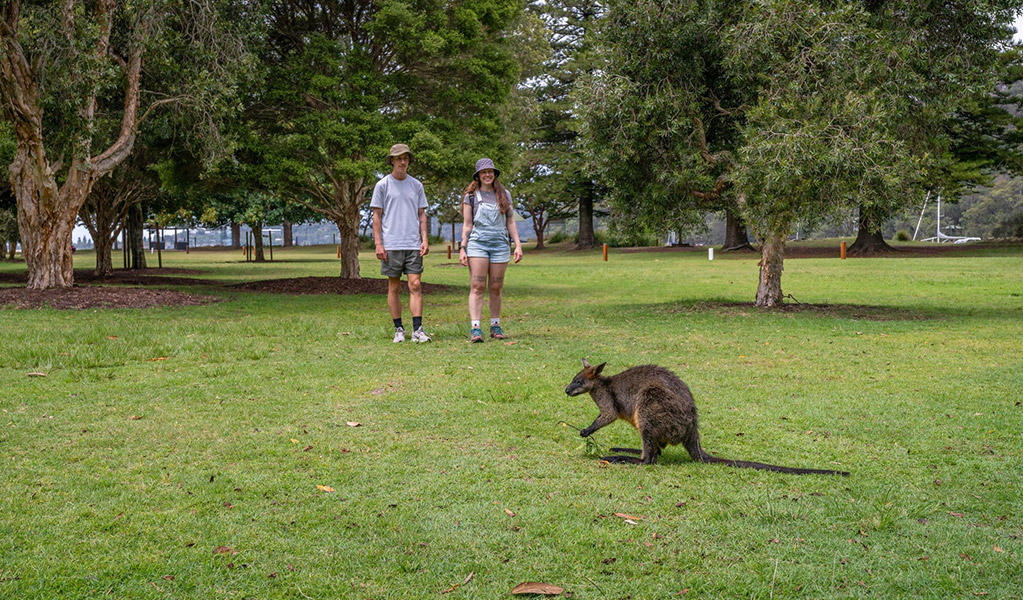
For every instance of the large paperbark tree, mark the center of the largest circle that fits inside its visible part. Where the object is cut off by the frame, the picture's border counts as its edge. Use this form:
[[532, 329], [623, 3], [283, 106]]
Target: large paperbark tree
[[71, 77]]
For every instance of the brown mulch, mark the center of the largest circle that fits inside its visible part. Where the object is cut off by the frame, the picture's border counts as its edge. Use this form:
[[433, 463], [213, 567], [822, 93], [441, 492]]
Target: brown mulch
[[856, 312], [84, 297], [329, 285], [151, 276]]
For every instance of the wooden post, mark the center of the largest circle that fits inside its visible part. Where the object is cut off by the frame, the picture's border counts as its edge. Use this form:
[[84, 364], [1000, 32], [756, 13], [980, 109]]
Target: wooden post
[[339, 250], [605, 252], [449, 251], [842, 250]]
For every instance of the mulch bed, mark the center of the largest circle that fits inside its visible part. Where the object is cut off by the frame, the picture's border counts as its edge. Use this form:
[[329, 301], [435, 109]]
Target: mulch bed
[[87, 293], [329, 285], [85, 297]]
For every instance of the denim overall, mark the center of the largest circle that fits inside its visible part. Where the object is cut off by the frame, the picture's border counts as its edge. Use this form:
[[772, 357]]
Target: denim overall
[[489, 237]]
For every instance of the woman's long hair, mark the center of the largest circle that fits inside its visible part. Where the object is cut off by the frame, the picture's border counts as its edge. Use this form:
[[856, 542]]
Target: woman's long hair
[[503, 203]]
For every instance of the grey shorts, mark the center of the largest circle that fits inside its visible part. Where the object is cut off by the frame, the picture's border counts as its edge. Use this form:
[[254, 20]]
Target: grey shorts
[[401, 261], [496, 251]]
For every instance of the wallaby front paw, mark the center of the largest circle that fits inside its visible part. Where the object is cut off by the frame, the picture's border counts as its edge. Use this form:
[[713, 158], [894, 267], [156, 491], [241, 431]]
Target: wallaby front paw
[[586, 432]]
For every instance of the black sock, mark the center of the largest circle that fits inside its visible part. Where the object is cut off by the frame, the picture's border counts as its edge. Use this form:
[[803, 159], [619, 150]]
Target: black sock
[[397, 324], [417, 323]]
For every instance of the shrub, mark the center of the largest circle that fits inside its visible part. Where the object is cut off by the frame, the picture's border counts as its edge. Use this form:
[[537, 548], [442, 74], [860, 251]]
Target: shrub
[[902, 236], [1011, 227]]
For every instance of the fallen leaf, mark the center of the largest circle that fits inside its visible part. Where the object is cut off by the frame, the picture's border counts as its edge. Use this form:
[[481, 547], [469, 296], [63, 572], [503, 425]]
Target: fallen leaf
[[168, 577], [924, 558], [457, 585], [955, 514], [113, 337], [325, 488], [510, 343], [294, 441], [535, 587], [307, 449], [353, 423], [632, 517], [997, 549], [683, 592], [159, 358], [272, 575], [228, 505], [510, 513], [224, 550], [37, 374], [134, 417]]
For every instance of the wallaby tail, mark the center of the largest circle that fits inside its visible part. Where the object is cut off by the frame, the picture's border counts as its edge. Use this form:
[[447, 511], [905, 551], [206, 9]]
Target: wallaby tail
[[706, 457]]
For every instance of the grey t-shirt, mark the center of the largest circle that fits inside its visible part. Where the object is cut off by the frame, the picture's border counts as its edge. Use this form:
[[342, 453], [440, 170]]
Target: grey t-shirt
[[400, 200]]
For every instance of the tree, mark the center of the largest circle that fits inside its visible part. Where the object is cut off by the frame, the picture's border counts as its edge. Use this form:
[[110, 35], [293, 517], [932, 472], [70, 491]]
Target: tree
[[837, 104], [106, 210], [553, 151], [71, 77], [346, 80], [663, 116]]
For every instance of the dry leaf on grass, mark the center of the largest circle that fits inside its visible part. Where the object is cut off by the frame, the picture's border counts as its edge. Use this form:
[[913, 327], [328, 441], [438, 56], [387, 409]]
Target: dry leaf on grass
[[630, 517], [224, 550], [134, 417], [353, 423], [159, 358], [325, 488], [37, 374], [535, 587], [458, 585], [510, 513]]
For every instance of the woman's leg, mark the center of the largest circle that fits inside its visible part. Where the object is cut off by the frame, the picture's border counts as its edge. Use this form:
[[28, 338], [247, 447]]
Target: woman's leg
[[496, 284], [478, 268]]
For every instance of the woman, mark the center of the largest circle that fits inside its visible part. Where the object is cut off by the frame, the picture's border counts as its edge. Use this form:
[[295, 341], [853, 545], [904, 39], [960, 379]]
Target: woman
[[487, 224]]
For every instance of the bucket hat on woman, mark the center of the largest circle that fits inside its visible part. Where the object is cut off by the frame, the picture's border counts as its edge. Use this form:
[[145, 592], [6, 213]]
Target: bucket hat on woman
[[485, 163]]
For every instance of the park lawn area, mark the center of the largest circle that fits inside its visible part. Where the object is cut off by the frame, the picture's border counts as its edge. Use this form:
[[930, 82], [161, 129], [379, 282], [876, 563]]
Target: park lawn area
[[212, 451]]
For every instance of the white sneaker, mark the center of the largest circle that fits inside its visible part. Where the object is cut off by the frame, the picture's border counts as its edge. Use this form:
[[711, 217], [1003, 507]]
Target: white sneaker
[[419, 336], [399, 335]]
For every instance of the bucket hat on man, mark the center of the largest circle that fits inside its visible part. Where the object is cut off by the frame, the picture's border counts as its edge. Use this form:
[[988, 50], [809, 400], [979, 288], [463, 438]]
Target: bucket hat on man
[[398, 150]]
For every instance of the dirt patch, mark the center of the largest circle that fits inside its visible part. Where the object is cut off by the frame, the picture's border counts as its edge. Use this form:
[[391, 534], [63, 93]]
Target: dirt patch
[[84, 297], [329, 285], [842, 311]]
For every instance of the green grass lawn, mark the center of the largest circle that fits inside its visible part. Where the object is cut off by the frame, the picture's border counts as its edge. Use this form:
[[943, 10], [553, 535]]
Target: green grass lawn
[[185, 452]]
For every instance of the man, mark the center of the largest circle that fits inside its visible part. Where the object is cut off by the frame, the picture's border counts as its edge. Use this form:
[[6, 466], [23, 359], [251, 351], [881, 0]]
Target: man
[[399, 230]]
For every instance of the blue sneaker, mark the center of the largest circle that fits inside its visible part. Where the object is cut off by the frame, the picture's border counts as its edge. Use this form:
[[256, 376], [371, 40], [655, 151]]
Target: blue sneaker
[[496, 333], [476, 335]]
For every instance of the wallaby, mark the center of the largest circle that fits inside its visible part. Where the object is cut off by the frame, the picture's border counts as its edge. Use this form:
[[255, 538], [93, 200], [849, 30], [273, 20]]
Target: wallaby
[[660, 406]]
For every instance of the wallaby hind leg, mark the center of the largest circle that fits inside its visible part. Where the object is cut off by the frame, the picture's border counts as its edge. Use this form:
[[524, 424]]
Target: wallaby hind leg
[[648, 455]]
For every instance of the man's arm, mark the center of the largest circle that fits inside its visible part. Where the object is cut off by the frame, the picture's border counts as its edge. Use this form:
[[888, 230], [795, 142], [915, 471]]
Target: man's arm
[[424, 246], [378, 233]]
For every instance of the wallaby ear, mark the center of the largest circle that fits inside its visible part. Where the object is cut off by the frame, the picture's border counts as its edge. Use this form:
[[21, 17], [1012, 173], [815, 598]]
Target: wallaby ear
[[599, 368], [586, 364]]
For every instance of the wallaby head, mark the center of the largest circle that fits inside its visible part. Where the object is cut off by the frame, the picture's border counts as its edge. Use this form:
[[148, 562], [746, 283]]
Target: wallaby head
[[585, 379]]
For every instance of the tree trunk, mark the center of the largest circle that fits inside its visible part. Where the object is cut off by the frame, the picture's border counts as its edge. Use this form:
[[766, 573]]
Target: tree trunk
[[772, 255], [135, 244], [257, 240], [586, 237], [236, 236], [538, 227], [286, 233], [869, 239], [348, 228], [736, 237]]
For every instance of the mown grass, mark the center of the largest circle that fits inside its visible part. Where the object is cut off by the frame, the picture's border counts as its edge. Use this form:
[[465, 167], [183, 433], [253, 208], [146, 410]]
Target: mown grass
[[122, 475]]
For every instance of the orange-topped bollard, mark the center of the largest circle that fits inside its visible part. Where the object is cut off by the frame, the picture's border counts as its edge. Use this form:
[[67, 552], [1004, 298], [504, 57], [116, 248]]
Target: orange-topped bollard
[[842, 250], [605, 252], [339, 250]]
